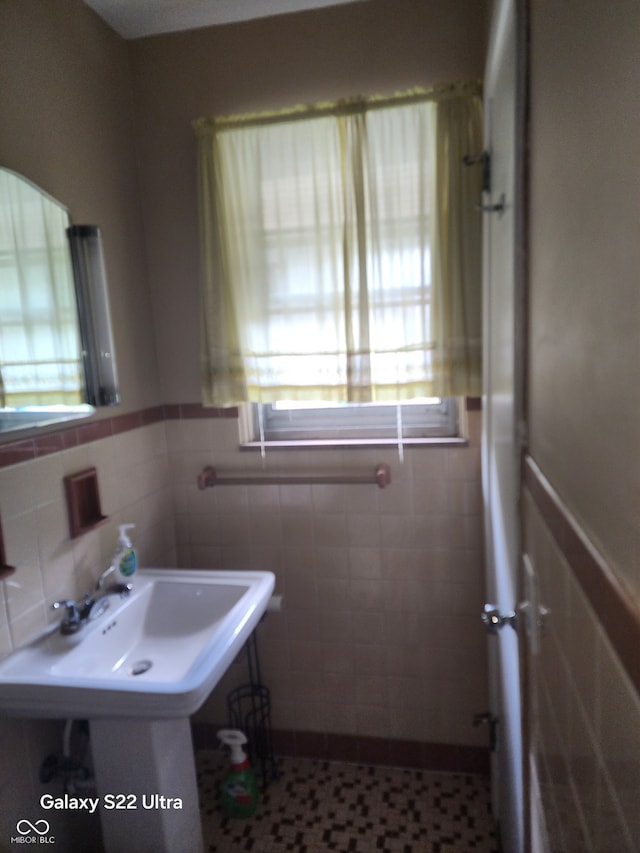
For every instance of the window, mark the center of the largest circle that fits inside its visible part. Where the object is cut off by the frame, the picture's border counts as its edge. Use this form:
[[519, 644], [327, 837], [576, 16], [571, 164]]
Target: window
[[288, 421], [341, 260]]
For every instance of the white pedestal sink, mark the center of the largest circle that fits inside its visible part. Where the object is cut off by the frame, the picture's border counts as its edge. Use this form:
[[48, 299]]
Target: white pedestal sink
[[137, 673], [146, 781]]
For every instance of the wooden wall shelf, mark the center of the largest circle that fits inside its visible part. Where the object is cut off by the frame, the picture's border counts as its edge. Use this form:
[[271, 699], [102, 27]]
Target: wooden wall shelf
[[83, 502]]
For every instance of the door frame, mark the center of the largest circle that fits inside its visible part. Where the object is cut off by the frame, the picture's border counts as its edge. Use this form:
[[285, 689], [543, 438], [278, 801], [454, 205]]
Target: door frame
[[509, 21]]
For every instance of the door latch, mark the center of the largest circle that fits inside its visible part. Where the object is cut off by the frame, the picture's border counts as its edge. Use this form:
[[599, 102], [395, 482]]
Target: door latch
[[494, 620]]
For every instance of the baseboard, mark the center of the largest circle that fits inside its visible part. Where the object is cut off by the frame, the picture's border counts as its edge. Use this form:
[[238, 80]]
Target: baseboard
[[450, 758]]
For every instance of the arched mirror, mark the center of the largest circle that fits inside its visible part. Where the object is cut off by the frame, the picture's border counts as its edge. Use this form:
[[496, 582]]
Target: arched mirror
[[50, 309]]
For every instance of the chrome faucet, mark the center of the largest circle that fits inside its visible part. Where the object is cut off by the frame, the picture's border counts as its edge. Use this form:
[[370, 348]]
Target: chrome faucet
[[93, 605], [121, 589], [108, 571]]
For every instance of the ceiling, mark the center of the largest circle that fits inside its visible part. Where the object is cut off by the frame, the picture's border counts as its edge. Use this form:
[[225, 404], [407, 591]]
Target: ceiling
[[138, 18]]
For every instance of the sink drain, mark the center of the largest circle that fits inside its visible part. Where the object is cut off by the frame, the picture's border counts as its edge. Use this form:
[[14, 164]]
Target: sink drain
[[140, 667]]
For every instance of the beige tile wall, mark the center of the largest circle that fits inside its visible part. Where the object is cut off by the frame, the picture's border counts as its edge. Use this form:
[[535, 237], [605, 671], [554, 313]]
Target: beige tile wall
[[587, 738], [380, 633], [133, 479]]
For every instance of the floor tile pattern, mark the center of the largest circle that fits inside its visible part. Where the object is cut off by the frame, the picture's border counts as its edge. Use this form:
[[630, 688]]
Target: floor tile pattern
[[320, 806]]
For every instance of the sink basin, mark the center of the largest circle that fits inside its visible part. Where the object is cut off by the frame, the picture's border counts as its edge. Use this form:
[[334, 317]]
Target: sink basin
[[156, 654]]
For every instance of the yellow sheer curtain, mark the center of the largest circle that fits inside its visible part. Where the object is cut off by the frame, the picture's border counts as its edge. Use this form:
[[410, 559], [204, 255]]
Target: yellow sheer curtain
[[319, 231], [457, 255]]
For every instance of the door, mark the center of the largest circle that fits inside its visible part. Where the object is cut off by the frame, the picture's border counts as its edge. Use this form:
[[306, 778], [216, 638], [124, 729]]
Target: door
[[503, 401]]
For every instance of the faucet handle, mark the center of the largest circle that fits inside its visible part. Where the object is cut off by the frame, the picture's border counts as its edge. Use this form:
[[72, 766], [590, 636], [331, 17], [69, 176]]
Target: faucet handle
[[72, 621], [64, 602], [73, 614]]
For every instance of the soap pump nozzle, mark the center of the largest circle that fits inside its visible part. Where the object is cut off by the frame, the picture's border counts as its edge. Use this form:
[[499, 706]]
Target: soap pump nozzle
[[123, 538], [235, 740]]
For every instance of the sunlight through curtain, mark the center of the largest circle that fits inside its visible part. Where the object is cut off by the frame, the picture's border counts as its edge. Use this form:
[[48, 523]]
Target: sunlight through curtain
[[341, 251], [40, 352]]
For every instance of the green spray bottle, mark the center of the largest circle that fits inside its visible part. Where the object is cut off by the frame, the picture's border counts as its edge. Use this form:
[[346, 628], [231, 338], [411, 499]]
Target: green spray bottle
[[239, 788]]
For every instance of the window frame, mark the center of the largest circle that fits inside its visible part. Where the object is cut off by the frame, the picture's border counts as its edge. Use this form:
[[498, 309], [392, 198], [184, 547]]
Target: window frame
[[354, 425]]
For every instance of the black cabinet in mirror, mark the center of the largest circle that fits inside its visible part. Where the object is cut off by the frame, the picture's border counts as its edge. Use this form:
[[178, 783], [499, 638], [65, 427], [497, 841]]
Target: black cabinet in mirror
[[100, 371]]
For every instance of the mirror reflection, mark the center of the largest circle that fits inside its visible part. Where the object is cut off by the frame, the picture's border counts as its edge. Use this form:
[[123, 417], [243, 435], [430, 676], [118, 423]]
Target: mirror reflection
[[41, 362]]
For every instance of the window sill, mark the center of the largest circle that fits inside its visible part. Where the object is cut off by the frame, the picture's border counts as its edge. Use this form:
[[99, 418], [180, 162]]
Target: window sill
[[337, 443]]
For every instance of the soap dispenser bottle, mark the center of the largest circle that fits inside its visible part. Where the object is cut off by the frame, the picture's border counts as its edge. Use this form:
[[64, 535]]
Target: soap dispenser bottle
[[125, 559], [239, 788]]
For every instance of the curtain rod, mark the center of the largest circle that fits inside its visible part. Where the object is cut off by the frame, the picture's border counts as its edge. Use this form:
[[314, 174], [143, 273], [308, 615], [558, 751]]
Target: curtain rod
[[209, 477], [345, 106]]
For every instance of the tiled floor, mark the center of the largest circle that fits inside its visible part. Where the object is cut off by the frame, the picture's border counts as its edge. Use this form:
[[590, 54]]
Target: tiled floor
[[318, 806]]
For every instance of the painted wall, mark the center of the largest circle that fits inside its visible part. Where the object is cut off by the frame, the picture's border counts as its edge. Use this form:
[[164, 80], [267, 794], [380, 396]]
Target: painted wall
[[585, 294], [67, 126], [379, 46], [584, 407]]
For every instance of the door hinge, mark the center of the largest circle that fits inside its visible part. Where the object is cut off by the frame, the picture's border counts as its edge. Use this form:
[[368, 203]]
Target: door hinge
[[483, 159]]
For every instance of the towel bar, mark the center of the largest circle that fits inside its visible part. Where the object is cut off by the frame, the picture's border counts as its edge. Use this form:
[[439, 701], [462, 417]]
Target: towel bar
[[209, 477]]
